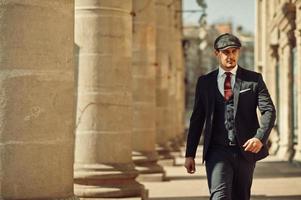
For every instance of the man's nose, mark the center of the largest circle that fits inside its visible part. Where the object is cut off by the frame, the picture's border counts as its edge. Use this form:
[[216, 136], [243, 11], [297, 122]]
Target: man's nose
[[230, 55]]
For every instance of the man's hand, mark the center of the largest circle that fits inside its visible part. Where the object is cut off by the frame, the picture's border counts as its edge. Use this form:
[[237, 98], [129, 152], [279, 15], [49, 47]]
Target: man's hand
[[190, 165], [253, 145]]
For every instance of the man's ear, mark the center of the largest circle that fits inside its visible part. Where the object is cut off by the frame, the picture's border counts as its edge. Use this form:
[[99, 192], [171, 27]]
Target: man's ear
[[216, 52]]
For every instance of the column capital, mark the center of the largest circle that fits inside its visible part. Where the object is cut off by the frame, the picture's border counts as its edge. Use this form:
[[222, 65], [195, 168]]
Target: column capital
[[287, 16]]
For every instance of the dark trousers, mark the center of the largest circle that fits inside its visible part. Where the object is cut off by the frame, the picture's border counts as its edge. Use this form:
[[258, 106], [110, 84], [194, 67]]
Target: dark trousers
[[229, 175]]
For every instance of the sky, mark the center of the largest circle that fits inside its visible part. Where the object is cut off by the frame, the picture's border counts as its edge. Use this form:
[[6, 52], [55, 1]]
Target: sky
[[240, 12]]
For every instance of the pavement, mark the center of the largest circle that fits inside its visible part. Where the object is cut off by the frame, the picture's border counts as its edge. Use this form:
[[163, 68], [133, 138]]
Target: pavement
[[273, 179]]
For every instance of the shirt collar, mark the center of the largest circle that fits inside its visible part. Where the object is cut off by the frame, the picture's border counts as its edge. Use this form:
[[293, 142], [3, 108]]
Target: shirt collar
[[221, 71]]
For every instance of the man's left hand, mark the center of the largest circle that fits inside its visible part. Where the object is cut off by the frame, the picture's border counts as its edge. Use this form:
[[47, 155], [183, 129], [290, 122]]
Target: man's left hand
[[253, 145]]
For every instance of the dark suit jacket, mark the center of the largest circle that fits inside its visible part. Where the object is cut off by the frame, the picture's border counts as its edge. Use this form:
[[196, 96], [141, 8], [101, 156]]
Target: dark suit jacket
[[250, 92]]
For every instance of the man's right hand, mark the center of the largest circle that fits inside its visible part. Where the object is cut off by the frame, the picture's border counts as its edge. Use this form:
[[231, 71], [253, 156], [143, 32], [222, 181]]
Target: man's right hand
[[190, 165]]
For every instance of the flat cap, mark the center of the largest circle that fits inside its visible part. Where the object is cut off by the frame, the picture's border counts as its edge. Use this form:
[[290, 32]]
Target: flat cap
[[225, 41]]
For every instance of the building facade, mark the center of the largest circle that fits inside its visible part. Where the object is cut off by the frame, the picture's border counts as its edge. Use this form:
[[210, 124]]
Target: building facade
[[193, 60], [278, 58]]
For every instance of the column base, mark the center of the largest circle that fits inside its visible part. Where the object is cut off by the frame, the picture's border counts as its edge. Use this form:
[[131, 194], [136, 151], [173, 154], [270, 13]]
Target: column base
[[127, 191], [297, 156], [68, 198], [176, 144], [274, 141], [73, 197], [274, 148], [285, 153], [127, 198], [107, 181], [164, 151], [147, 166]]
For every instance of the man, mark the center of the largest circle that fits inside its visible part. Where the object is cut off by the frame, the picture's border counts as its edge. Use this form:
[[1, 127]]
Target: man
[[226, 101]]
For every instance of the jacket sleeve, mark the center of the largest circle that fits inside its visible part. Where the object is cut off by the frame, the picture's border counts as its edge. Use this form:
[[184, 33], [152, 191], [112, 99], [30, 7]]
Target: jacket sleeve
[[267, 110], [196, 121]]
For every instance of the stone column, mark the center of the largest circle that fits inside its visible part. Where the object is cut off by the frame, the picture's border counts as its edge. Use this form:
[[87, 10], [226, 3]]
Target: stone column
[[297, 156], [268, 55], [285, 114], [103, 148], [37, 96], [145, 155], [267, 58], [171, 76], [259, 35], [180, 71], [175, 88], [273, 87], [264, 40], [162, 90]]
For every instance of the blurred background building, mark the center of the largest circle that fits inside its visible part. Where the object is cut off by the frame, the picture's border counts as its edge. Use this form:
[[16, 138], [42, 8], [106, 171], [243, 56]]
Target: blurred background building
[[199, 52], [278, 57]]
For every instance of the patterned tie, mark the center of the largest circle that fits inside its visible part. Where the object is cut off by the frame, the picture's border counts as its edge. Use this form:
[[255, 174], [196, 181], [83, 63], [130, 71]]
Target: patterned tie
[[227, 86]]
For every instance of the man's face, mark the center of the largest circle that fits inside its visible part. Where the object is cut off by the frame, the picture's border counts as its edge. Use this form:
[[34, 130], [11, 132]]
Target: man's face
[[228, 58]]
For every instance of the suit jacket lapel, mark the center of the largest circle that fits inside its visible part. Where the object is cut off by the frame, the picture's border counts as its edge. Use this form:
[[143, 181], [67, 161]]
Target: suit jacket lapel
[[237, 86]]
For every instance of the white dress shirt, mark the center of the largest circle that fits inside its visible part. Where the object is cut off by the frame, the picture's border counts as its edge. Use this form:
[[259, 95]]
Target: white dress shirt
[[222, 76]]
